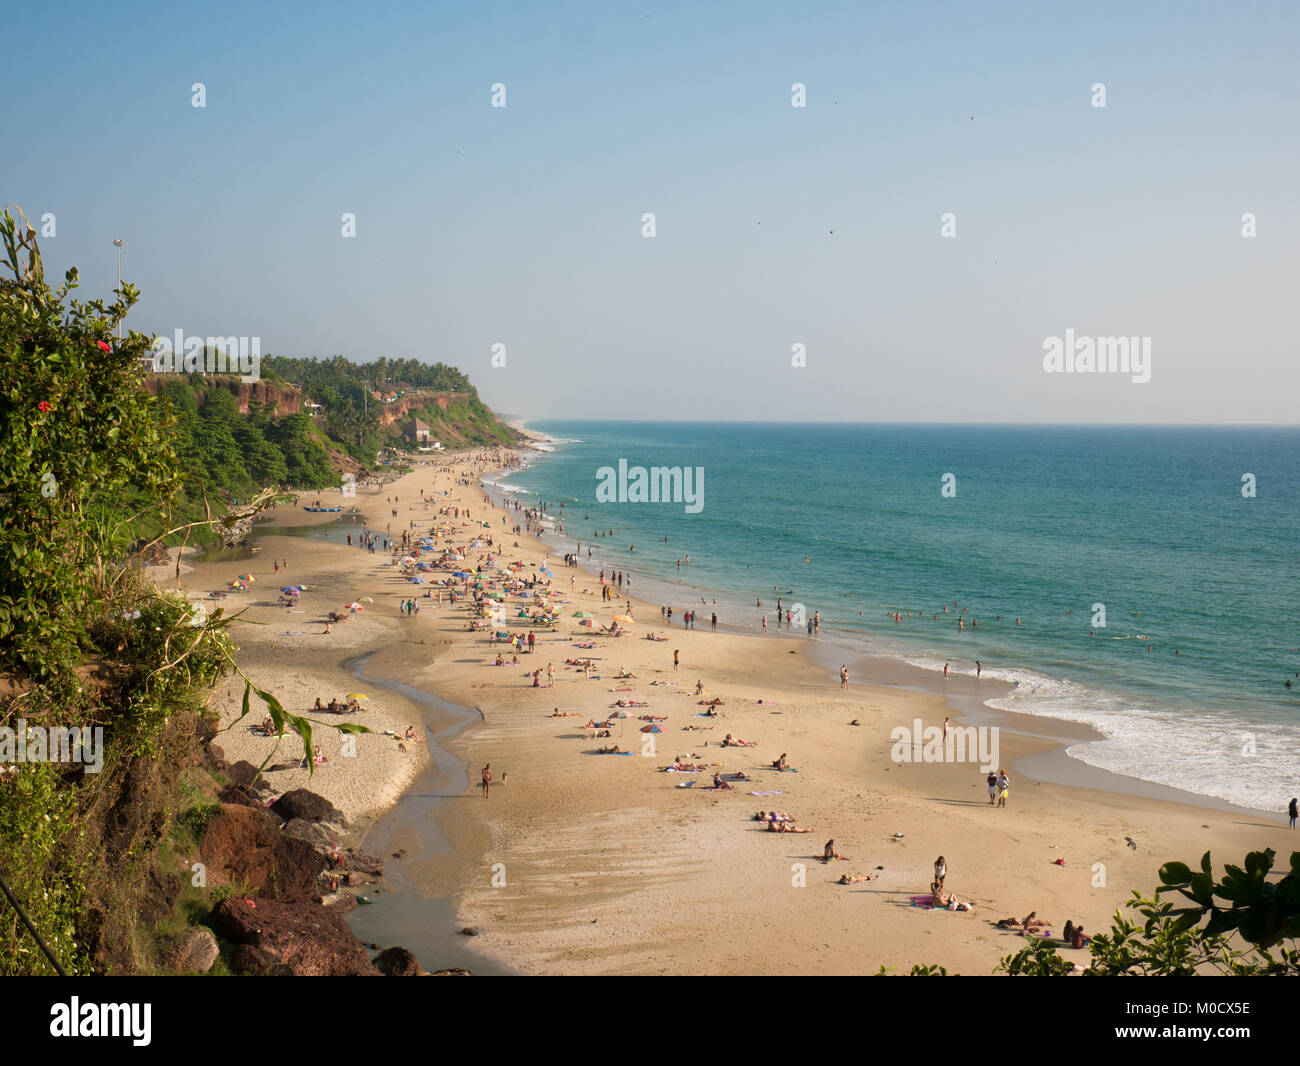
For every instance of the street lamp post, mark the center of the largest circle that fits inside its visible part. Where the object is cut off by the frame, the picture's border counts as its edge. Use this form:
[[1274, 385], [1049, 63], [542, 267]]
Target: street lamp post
[[118, 245]]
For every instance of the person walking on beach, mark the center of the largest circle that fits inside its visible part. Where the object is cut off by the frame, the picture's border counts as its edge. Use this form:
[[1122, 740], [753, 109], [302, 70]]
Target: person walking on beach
[[487, 779], [676, 659], [945, 732], [764, 625], [550, 675], [978, 669], [1004, 786], [714, 621], [945, 677], [1292, 812], [993, 788]]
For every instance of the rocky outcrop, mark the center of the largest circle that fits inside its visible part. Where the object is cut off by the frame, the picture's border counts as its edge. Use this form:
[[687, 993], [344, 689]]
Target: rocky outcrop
[[242, 846], [290, 939]]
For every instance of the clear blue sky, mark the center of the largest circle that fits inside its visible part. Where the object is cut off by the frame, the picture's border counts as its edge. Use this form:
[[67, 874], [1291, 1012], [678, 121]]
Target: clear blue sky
[[522, 225]]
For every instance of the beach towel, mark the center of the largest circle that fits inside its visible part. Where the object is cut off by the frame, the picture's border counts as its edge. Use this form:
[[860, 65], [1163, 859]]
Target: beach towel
[[924, 902], [768, 793]]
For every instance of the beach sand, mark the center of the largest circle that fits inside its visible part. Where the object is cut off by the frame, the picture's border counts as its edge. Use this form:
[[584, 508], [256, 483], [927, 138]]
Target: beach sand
[[584, 863]]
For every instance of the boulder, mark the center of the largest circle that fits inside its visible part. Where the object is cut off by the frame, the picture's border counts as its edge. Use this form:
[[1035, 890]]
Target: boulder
[[318, 835], [245, 773], [398, 962], [197, 951], [275, 938], [300, 803], [243, 846]]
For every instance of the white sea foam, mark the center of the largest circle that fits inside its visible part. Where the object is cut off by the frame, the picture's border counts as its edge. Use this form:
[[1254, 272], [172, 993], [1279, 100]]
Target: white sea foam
[[1201, 751]]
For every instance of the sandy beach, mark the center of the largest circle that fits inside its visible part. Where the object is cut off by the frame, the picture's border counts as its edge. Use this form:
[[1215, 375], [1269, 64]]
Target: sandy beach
[[588, 863]]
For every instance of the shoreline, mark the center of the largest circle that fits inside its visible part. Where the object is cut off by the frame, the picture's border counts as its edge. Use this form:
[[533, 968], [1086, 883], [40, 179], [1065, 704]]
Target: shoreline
[[515, 941]]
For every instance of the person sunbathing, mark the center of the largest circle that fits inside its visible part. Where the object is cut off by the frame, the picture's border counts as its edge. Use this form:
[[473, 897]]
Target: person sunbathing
[[787, 827], [1010, 923], [613, 749], [319, 706], [566, 714], [267, 727], [740, 774], [853, 879], [687, 767], [699, 688], [501, 660], [631, 703], [719, 783], [772, 816], [715, 702], [779, 764], [735, 742], [623, 674], [652, 718], [603, 733]]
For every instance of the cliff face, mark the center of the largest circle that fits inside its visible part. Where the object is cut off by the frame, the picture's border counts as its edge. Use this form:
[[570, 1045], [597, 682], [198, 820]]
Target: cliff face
[[280, 399], [397, 410]]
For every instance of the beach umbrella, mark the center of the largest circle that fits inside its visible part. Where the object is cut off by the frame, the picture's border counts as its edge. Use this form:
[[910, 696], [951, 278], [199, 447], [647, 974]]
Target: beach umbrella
[[651, 728], [357, 696], [355, 607], [588, 622], [581, 614], [625, 619], [366, 599], [620, 714], [247, 577]]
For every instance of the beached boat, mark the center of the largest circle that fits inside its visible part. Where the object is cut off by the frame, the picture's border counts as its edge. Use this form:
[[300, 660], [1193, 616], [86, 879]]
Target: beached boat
[[322, 508]]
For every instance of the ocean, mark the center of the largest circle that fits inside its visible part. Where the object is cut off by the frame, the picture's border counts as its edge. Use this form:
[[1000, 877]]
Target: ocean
[[1193, 562]]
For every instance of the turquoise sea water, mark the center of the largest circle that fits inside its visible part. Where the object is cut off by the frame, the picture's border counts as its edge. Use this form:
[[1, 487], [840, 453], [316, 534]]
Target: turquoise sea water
[[1149, 521]]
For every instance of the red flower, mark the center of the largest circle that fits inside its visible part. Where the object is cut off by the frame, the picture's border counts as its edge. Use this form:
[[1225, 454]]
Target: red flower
[[45, 405], [104, 346]]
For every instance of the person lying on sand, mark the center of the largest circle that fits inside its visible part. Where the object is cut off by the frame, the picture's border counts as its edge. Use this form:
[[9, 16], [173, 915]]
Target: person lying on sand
[[853, 879], [715, 702], [740, 774], [566, 714], [772, 816], [735, 742], [623, 674], [702, 728], [630, 703], [786, 827], [603, 733], [652, 718], [613, 749], [686, 767]]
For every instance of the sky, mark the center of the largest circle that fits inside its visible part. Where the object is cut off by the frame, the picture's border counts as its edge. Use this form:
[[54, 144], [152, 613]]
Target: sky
[[774, 225]]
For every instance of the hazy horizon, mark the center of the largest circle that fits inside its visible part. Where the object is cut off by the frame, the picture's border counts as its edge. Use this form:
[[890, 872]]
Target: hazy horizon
[[775, 225]]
